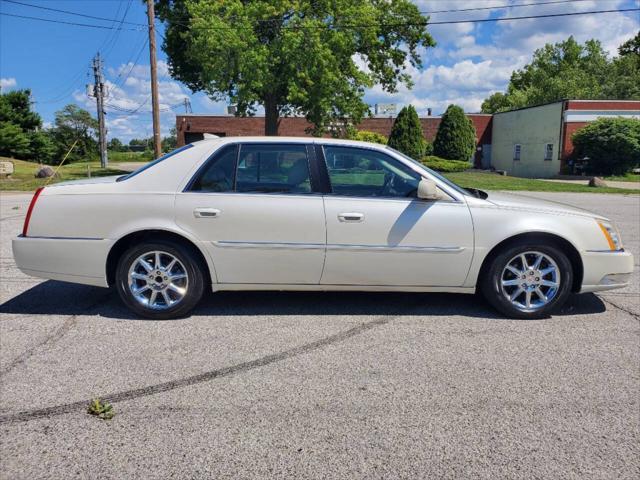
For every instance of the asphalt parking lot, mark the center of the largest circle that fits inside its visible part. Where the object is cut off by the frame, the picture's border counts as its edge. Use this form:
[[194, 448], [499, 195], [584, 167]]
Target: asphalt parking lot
[[318, 385]]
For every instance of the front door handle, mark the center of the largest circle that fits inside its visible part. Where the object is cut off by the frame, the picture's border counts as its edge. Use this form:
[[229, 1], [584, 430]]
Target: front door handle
[[351, 217], [206, 213]]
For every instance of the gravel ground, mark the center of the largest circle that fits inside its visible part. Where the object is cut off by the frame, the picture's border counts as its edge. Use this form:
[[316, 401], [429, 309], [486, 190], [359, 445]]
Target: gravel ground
[[318, 385]]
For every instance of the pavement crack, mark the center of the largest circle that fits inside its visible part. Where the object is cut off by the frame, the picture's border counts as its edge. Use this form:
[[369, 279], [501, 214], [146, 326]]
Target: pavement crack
[[622, 309], [202, 377], [49, 340]]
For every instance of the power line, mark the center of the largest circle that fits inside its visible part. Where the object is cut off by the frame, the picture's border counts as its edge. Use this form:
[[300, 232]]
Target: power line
[[75, 24], [69, 12], [404, 24], [500, 7], [120, 80], [370, 25], [117, 32], [549, 15]]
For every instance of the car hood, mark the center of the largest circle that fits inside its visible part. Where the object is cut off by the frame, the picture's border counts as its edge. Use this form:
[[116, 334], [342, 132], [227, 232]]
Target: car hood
[[525, 202]]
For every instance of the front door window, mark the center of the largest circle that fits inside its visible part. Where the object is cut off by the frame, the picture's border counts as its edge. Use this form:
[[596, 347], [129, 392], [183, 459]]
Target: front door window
[[361, 172]]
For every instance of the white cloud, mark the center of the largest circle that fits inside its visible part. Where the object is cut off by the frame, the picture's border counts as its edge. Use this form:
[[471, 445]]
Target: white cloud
[[8, 83], [128, 101], [472, 61]]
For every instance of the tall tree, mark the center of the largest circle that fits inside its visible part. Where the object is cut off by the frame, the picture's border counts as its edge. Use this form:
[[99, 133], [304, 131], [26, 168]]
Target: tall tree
[[568, 70], [17, 123], [309, 57], [623, 79], [406, 133], [15, 107], [456, 136], [74, 123]]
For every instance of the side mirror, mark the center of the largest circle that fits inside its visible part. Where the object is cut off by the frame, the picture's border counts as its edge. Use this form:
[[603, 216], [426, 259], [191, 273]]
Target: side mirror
[[428, 190]]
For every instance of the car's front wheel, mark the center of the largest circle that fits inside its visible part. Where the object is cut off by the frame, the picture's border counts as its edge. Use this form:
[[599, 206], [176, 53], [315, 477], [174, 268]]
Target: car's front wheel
[[160, 280], [528, 280]]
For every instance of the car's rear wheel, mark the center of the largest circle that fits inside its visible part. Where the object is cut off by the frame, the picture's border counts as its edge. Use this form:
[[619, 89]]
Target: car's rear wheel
[[160, 280], [528, 280]]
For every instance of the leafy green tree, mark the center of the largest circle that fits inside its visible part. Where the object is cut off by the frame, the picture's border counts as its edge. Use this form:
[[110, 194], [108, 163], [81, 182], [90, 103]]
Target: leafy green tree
[[623, 80], [17, 122], [43, 147], [611, 144], [115, 145], [15, 107], [309, 57], [406, 133], [170, 142], [570, 70], [456, 136], [74, 123], [13, 141], [631, 46]]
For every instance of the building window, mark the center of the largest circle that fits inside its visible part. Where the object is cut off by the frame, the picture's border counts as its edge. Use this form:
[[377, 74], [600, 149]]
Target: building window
[[516, 152], [548, 152]]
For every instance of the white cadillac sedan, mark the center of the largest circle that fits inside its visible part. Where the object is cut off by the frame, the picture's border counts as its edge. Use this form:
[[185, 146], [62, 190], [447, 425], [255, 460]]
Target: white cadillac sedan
[[280, 213]]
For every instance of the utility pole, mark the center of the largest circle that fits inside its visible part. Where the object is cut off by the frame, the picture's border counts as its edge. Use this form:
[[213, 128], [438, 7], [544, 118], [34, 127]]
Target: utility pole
[[98, 91], [157, 141], [187, 106]]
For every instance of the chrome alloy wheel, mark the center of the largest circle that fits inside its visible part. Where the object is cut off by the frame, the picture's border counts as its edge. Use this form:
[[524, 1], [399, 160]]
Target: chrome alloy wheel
[[530, 281], [158, 280]]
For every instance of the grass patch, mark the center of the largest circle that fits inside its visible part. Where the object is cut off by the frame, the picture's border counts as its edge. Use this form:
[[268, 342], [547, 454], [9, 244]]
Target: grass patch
[[23, 175], [489, 181], [130, 156], [627, 177], [101, 409]]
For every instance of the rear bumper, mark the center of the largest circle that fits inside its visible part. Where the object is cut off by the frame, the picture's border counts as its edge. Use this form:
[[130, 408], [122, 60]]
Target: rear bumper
[[606, 270], [77, 260]]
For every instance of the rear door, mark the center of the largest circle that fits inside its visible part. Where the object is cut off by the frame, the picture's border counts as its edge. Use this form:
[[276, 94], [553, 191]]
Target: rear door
[[379, 233], [255, 207]]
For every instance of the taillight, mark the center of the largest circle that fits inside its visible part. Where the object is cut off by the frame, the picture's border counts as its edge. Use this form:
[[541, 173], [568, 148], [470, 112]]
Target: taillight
[[30, 211]]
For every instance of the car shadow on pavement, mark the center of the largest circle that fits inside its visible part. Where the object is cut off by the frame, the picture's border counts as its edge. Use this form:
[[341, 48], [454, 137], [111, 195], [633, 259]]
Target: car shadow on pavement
[[58, 298]]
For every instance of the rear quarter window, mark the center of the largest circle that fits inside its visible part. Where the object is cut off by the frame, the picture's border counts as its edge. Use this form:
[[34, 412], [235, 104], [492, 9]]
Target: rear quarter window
[[153, 163]]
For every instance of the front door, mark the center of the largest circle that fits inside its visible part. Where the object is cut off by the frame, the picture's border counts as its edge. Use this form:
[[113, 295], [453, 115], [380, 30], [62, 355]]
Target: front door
[[253, 205], [379, 233]]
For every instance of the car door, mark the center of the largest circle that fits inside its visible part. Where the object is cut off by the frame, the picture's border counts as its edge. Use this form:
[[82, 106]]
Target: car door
[[254, 206], [379, 233]]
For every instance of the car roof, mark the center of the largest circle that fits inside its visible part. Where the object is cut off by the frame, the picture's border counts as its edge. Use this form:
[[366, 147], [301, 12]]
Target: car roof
[[263, 139]]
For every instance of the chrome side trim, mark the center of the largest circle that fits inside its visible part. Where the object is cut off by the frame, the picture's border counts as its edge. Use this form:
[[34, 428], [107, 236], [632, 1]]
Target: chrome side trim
[[606, 251], [394, 249], [270, 245], [338, 247], [58, 238]]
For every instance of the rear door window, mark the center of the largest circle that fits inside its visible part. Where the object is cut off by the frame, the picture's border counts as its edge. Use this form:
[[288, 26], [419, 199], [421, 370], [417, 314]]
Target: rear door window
[[273, 168]]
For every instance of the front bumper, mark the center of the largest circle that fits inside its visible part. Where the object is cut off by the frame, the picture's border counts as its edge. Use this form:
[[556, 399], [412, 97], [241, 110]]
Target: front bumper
[[606, 270], [77, 260]]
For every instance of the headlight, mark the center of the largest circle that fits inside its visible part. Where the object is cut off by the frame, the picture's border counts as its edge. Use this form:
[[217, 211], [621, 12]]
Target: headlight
[[611, 234]]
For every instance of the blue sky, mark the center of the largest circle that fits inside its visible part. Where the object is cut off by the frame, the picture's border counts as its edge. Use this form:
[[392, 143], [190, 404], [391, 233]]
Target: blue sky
[[470, 62]]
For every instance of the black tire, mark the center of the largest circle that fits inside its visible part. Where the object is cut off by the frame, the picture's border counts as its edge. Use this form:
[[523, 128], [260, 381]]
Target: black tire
[[195, 281], [491, 279]]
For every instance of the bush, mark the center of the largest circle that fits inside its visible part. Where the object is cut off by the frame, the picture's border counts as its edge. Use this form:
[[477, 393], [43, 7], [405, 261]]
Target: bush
[[406, 133], [366, 136], [611, 144], [443, 165], [456, 137], [428, 148]]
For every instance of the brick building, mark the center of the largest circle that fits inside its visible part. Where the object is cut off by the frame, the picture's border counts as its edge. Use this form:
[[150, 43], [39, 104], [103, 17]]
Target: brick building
[[528, 142], [192, 127]]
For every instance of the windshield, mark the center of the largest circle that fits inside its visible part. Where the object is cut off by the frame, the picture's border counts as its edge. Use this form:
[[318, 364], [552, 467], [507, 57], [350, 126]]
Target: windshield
[[155, 162], [445, 180]]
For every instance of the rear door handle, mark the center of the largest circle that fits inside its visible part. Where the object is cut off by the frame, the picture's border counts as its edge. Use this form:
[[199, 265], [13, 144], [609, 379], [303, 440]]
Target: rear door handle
[[351, 217], [206, 213]]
